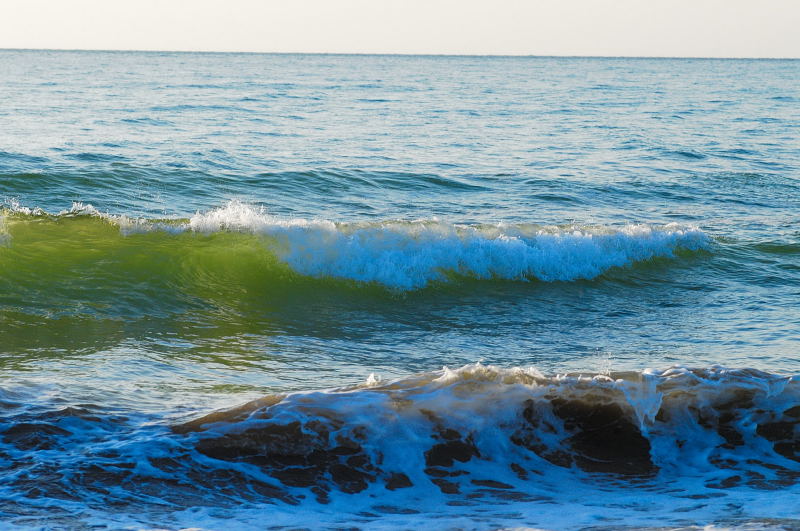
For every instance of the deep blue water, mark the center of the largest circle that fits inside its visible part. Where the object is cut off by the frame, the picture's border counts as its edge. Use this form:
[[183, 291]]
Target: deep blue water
[[186, 232]]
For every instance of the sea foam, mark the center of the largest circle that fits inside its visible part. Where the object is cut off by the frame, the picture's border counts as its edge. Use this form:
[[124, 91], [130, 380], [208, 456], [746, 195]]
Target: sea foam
[[411, 254]]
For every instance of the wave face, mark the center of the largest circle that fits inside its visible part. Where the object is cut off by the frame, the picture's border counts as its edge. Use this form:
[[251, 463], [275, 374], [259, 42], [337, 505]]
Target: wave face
[[395, 254], [449, 445]]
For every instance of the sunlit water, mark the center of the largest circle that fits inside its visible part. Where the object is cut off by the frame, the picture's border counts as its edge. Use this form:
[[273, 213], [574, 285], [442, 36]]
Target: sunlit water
[[183, 233]]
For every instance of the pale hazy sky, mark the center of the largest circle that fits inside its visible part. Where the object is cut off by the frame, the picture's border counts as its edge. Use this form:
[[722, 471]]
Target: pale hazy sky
[[695, 28]]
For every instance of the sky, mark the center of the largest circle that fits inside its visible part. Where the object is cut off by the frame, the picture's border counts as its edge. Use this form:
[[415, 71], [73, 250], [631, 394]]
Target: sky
[[653, 28]]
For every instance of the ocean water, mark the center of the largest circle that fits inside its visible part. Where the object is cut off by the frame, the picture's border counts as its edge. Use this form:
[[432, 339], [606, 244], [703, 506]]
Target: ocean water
[[243, 291]]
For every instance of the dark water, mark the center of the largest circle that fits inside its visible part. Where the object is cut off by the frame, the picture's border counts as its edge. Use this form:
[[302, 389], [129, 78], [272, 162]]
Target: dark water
[[604, 252]]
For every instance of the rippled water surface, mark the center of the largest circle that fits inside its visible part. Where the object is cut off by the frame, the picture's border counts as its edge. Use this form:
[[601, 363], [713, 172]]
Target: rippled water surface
[[184, 233]]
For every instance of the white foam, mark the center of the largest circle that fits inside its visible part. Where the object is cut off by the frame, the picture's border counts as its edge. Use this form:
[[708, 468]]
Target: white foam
[[410, 255], [14, 206]]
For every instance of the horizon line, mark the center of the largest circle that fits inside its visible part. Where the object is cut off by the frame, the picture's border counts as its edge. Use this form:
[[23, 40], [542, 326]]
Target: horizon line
[[403, 54]]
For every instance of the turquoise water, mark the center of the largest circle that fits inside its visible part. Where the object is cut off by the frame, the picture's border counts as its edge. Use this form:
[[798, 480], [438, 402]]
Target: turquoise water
[[186, 233]]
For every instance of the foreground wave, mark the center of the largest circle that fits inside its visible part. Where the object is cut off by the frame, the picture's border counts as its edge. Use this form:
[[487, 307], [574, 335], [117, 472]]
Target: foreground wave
[[673, 446], [400, 255], [738, 427]]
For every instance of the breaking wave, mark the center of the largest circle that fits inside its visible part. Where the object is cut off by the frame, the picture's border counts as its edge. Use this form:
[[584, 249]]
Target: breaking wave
[[399, 255], [669, 444], [734, 427]]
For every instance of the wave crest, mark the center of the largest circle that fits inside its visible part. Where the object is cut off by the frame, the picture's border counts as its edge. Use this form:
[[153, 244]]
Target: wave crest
[[410, 255]]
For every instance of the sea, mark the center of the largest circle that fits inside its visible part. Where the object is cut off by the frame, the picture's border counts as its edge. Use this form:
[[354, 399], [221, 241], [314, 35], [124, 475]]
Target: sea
[[285, 292]]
